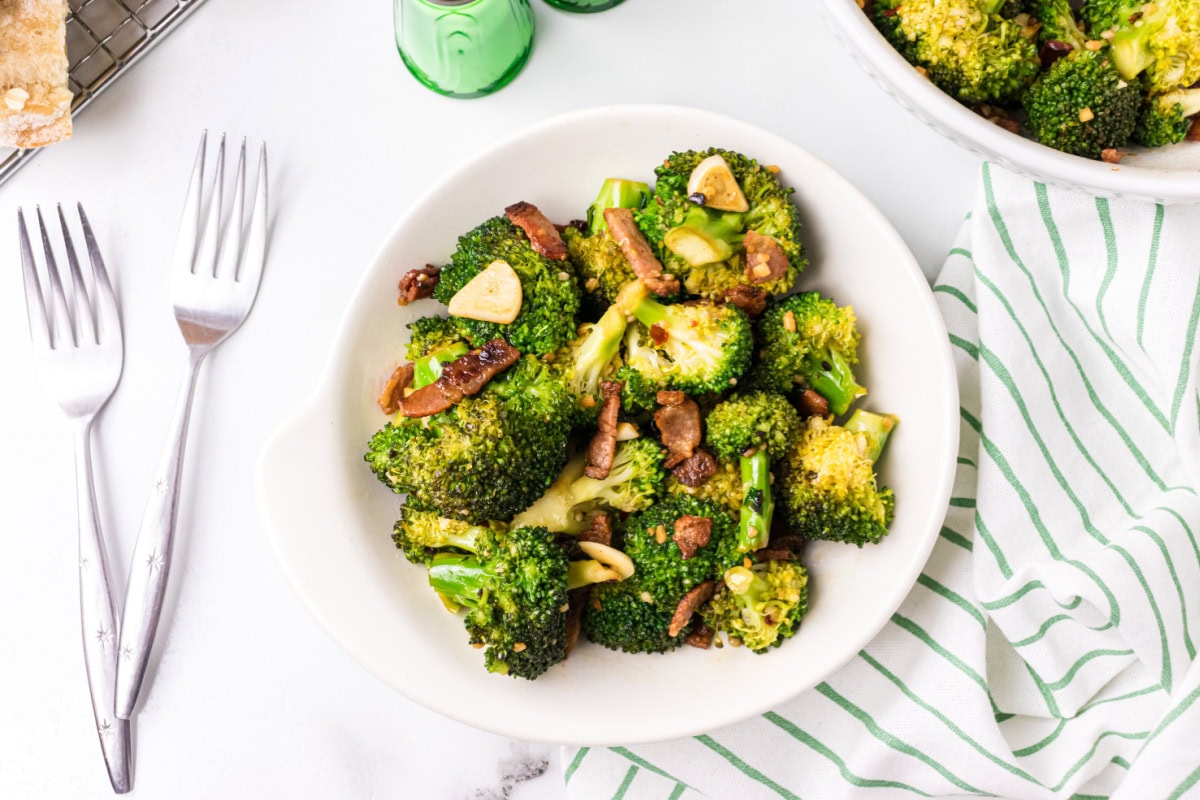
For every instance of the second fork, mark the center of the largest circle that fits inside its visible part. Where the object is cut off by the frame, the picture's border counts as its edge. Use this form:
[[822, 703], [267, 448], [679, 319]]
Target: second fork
[[214, 282]]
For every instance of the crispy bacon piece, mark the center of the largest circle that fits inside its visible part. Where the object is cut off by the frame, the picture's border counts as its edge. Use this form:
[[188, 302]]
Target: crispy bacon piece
[[393, 391], [751, 299], [604, 443], [692, 533], [689, 605], [701, 636], [417, 284], [543, 236], [696, 470], [813, 404], [600, 532], [679, 425], [670, 398], [462, 377], [765, 259], [637, 251], [576, 600]]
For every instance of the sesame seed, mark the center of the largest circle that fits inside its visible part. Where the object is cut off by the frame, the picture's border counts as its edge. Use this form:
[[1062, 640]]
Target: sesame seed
[[562, 276]]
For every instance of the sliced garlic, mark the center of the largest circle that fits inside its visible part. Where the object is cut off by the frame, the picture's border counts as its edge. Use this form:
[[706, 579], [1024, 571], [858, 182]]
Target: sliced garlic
[[585, 573], [493, 295], [713, 178], [627, 431], [610, 557]]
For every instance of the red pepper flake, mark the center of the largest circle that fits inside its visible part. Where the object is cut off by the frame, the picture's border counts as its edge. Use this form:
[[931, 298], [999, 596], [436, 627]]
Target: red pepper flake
[[658, 334]]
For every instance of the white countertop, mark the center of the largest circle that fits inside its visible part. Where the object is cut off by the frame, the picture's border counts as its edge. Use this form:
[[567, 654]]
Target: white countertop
[[247, 697]]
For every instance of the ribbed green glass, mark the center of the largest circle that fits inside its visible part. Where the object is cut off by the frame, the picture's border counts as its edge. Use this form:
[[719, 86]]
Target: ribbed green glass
[[585, 6], [464, 48]]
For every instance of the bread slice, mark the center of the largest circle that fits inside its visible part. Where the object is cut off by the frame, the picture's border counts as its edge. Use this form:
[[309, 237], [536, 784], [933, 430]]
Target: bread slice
[[35, 103]]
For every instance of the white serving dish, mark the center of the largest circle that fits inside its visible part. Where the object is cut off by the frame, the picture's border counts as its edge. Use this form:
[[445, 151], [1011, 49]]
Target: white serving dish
[[329, 520], [1166, 174]]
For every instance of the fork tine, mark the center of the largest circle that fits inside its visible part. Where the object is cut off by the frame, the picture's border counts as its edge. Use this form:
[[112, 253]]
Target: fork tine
[[83, 317], [108, 319], [231, 246], [61, 328], [256, 238], [206, 255], [189, 226], [35, 304]]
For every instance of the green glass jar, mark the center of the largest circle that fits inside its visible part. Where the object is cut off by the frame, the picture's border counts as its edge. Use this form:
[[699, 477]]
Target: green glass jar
[[464, 48], [585, 6]]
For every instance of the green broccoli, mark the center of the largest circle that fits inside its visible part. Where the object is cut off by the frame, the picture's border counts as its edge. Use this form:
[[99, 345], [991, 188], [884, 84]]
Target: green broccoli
[[758, 428], [634, 482], [514, 587], [828, 488], [1082, 106], [662, 572], [421, 533], [771, 213], [1058, 23], [603, 268], [591, 358], [1160, 39], [549, 289], [964, 46], [615, 193], [484, 458], [697, 348], [808, 340], [723, 489], [619, 617], [434, 342], [1165, 119], [759, 606]]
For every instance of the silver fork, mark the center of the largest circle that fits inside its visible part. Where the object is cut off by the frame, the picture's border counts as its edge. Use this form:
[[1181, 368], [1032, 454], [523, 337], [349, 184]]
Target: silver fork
[[79, 354], [212, 296]]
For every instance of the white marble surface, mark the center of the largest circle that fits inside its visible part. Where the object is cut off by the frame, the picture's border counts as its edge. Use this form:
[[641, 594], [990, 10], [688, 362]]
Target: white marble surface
[[247, 697]]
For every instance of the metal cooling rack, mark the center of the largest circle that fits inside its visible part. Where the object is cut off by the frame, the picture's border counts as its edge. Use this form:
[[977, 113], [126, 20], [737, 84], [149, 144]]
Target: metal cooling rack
[[104, 38]]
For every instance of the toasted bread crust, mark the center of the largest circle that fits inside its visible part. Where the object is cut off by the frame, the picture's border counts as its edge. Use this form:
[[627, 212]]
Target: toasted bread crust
[[35, 103]]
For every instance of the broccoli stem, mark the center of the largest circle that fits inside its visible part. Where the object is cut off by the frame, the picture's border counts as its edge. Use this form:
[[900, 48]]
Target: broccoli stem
[[428, 369], [875, 427], [754, 527], [457, 578], [830, 375], [635, 300], [615, 193], [598, 351]]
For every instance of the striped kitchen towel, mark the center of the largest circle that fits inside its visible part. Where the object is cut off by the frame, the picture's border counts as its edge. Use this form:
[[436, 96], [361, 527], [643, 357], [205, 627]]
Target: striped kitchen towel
[[1048, 650]]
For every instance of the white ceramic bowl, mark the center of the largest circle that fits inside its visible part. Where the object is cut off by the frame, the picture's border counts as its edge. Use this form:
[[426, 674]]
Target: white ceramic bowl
[[1164, 174], [330, 521]]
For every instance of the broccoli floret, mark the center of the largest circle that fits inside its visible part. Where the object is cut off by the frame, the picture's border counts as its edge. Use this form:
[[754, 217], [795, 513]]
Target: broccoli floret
[[696, 348], [549, 290], [486, 457], [723, 489], [420, 534], [634, 482], [828, 488], [662, 572], [1161, 39], [964, 46], [603, 269], [1165, 119], [1058, 23], [591, 358], [757, 428], [808, 340], [431, 334], [771, 213], [761, 606], [514, 587], [617, 617], [1082, 106]]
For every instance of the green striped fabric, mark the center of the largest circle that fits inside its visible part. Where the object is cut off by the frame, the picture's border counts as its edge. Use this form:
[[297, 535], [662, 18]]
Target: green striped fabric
[[1048, 650]]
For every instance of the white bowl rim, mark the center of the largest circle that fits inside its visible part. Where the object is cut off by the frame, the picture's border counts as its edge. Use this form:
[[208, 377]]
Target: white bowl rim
[[1165, 185], [326, 388]]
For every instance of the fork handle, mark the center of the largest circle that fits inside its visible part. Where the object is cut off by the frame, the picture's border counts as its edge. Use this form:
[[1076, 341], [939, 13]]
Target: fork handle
[[99, 618], [151, 563]]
